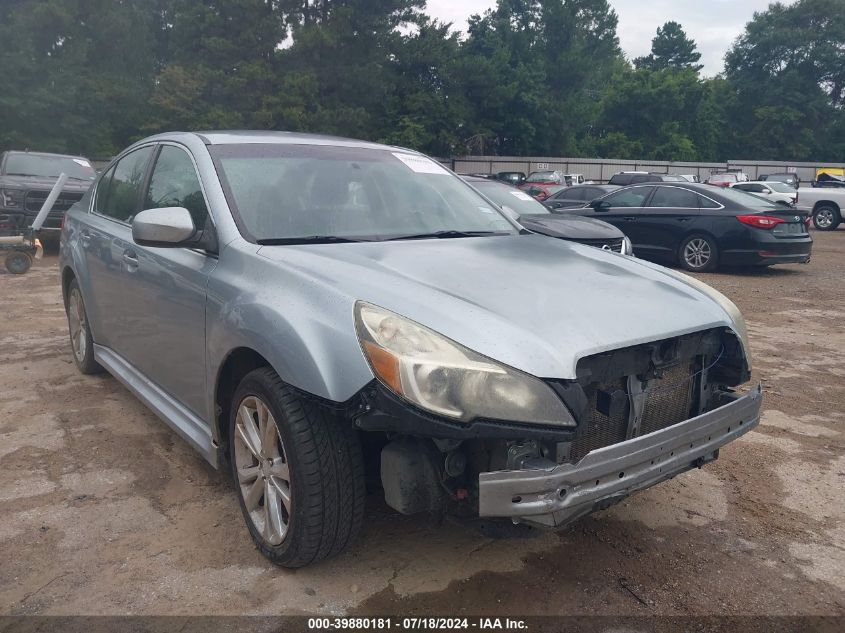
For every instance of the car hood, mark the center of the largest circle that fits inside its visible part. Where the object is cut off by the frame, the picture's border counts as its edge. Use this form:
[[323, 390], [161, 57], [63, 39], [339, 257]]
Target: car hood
[[570, 227], [534, 303], [37, 182]]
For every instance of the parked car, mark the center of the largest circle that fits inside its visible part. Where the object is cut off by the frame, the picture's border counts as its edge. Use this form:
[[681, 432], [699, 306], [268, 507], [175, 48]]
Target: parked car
[[514, 178], [540, 192], [304, 309], [701, 227], [633, 177], [575, 179], [830, 181], [690, 177], [537, 218], [789, 178], [824, 204], [723, 179], [773, 190], [576, 196], [546, 177], [26, 179]]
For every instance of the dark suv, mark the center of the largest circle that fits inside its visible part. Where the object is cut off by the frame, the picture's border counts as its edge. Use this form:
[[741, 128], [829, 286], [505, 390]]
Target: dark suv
[[26, 179], [635, 177]]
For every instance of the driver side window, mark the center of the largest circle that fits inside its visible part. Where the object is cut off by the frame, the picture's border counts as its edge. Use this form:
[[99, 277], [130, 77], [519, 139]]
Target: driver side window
[[174, 183]]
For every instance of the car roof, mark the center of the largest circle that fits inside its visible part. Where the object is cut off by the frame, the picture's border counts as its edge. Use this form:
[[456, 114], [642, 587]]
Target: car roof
[[45, 154], [247, 137]]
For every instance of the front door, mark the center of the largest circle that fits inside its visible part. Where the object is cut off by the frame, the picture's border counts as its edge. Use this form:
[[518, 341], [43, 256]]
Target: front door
[[166, 290]]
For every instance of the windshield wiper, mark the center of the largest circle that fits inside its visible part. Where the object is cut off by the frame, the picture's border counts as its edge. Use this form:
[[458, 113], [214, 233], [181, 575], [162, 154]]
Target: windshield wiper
[[310, 239], [441, 235]]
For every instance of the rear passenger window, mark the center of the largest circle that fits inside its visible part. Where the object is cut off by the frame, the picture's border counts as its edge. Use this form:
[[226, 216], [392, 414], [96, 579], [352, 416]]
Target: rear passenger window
[[674, 197], [578, 193], [125, 187], [707, 203], [175, 183]]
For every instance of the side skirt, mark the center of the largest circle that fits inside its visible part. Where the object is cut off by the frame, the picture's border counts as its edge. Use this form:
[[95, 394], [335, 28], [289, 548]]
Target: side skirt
[[192, 429]]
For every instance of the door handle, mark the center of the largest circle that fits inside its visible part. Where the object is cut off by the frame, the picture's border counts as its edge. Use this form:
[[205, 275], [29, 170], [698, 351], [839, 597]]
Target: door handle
[[631, 218], [85, 238], [683, 219], [130, 259]]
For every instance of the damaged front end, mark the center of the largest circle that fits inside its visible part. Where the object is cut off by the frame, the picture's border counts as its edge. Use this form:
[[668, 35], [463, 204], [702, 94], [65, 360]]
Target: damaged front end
[[640, 415]]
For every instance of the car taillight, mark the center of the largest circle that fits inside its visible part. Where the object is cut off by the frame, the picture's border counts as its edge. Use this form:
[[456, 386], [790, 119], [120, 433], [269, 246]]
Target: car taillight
[[759, 221]]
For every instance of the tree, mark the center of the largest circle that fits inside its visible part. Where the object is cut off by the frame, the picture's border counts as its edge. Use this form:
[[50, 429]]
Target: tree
[[671, 48], [788, 73]]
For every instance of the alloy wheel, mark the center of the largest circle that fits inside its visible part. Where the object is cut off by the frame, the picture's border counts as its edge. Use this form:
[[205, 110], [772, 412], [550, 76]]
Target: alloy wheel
[[76, 321], [262, 469], [697, 253], [824, 218]]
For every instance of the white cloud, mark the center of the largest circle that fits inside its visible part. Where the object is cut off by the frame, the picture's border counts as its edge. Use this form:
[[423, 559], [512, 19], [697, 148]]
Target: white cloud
[[713, 24]]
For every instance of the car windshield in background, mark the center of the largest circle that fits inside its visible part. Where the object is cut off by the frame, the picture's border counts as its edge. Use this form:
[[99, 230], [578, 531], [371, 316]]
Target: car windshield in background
[[780, 187], [746, 200], [514, 199], [542, 176], [307, 193], [49, 166]]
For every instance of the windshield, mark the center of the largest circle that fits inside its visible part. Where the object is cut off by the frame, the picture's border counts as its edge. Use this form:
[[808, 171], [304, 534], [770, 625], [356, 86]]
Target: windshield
[[296, 192], [780, 187], [543, 176], [48, 166], [747, 200], [514, 199]]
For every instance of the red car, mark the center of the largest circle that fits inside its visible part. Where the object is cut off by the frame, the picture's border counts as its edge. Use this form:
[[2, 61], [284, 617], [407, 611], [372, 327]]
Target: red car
[[541, 192]]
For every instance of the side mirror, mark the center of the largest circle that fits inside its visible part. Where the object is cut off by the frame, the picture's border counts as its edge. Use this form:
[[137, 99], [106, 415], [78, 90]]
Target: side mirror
[[164, 227], [600, 205]]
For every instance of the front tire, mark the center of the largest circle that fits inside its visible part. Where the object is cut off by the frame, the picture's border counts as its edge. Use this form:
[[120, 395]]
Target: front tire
[[298, 469], [698, 254], [826, 218], [81, 341]]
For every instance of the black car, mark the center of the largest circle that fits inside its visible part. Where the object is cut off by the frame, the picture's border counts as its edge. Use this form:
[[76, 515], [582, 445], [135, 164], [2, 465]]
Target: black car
[[633, 177], [700, 226], [576, 196], [538, 219], [514, 178]]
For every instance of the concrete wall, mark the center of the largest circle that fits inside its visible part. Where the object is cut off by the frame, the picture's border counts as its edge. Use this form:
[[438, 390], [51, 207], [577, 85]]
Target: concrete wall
[[600, 170]]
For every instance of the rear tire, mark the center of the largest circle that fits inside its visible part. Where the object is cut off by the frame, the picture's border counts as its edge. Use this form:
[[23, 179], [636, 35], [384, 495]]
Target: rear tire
[[81, 341], [306, 503], [826, 218], [698, 254], [18, 262]]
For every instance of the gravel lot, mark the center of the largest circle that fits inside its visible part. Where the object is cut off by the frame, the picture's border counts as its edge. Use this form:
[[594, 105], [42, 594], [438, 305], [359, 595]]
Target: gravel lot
[[104, 510]]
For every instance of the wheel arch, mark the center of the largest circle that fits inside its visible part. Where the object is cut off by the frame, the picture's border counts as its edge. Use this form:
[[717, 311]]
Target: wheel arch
[[237, 364], [827, 203], [68, 275]]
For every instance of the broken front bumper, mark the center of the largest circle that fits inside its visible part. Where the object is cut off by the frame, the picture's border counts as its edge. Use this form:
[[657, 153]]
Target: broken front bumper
[[559, 495]]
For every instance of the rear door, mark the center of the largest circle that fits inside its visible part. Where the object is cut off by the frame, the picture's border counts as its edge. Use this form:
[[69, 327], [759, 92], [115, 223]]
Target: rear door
[[672, 213], [105, 234], [164, 335]]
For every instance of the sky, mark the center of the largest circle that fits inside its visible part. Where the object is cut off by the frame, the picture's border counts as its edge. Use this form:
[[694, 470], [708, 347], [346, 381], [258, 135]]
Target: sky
[[713, 24]]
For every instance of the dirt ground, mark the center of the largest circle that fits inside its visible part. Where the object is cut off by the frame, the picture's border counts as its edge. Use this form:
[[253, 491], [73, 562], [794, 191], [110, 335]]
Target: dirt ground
[[104, 510]]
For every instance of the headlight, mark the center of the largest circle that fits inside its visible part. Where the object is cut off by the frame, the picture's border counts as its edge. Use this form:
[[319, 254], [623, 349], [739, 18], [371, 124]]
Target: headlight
[[11, 198], [627, 247], [444, 377], [726, 304]]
